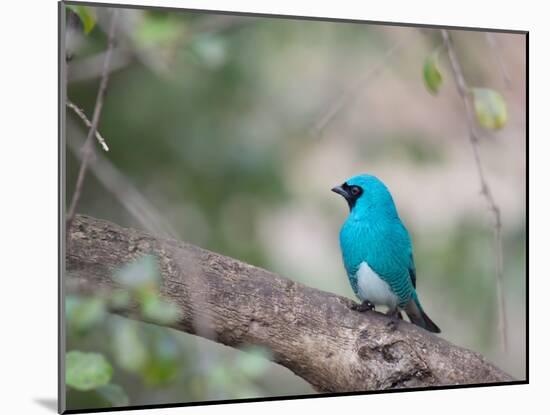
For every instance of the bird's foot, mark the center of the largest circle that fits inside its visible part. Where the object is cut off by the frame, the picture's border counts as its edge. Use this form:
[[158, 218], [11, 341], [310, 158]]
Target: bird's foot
[[395, 316], [364, 306]]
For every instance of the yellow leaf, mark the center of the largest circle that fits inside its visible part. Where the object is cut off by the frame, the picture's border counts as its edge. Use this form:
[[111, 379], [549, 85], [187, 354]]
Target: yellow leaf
[[490, 108]]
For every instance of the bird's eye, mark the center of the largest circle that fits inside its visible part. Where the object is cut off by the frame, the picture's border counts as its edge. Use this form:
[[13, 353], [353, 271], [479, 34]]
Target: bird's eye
[[355, 190]]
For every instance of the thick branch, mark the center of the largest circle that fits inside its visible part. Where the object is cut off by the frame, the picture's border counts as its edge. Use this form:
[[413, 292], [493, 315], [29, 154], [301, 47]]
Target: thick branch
[[313, 333]]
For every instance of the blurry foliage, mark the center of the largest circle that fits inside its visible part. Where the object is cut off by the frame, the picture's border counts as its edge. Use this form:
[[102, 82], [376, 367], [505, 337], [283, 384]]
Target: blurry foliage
[[128, 348], [234, 379], [87, 371], [86, 15], [142, 278], [210, 140], [148, 353], [84, 313], [113, 395], [142, 274], [106, 396], [156, 30]]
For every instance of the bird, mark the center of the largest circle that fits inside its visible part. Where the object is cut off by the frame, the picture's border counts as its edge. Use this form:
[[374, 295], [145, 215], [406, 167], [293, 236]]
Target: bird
[[377, 252]]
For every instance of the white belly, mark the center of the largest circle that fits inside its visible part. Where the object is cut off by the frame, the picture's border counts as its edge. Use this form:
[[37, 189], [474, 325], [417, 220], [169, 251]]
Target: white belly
[[373, 288]]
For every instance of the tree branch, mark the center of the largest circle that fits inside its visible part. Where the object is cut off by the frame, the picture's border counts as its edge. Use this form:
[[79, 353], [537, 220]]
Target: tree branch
[[88, 145], [80, 113], [464, 93], [123, 190], [313, 333]]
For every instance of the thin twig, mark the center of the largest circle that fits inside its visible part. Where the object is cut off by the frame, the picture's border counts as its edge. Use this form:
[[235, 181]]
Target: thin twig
[[122, 188], [463, 90], [355, 88], [78, 111], [88, 145], [492, 41]]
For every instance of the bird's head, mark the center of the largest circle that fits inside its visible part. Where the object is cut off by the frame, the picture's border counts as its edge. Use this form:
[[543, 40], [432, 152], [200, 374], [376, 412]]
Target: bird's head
[[365, 193]]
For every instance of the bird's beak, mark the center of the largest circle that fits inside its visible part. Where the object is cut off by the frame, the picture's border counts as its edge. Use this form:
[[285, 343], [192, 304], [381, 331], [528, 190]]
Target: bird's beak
[[340, 190]]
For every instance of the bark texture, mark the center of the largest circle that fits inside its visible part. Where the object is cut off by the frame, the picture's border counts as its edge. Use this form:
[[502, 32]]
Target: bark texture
[[313, 333]]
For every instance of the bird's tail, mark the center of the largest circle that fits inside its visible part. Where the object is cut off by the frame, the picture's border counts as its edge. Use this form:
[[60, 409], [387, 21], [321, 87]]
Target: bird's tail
[[417, 315]]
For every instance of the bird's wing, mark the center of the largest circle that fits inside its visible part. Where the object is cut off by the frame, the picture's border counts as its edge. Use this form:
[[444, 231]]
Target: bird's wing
[[412, 271], [411, 267], [391, 258]]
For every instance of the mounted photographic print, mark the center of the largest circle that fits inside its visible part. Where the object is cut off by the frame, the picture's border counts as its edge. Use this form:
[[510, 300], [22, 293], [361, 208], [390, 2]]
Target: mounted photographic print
[[269, 207]]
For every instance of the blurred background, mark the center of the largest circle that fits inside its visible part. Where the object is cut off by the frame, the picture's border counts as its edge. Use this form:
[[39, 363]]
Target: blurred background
[[229, 132]]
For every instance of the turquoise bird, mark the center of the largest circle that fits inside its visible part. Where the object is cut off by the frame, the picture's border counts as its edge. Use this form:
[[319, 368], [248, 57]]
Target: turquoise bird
[[377, 251]]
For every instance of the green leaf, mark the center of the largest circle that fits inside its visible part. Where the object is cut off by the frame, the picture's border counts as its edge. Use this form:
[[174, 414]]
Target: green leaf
[[158, 310], [141, 273], [490, 108], [432, 74], [129, 351], [84, 314], [87, 371], [114, 394], [86, 15]]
